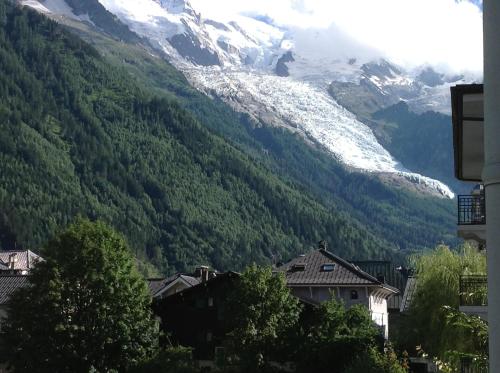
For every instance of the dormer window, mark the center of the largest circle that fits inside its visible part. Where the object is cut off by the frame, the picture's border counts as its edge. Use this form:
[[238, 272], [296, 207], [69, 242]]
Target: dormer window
[[328, 267], [299, 267]]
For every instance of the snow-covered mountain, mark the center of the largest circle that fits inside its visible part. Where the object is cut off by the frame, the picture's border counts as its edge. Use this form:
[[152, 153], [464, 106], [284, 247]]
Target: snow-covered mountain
[[274, 74]]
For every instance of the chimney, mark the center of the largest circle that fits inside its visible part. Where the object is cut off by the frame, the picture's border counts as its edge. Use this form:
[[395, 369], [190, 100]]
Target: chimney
[[202, 273], [322, 245], [197, 272], [12, 260]]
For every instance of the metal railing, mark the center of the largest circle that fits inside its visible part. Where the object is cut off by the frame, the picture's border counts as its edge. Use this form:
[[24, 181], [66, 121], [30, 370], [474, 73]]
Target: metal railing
[[468, 365], [471, 210], [474, 290]]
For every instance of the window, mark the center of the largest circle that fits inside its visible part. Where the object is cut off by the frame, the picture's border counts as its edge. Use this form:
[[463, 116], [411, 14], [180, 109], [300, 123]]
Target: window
[[329, 267], [299, 267], [210, 302], [354, 294], [209, 336]]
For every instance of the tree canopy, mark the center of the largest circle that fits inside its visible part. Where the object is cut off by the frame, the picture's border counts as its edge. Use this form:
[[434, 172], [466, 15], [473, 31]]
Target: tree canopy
[[437, 297], [262, 312], [334, 336], [86, 307]]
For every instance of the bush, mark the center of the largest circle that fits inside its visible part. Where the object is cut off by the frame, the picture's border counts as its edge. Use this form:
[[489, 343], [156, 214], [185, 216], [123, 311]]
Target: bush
[[172, 359], [372, 361]]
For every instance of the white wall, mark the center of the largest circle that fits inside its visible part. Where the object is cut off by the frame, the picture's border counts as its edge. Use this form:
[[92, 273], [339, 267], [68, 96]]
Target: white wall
[[380, 315], [376, 305]]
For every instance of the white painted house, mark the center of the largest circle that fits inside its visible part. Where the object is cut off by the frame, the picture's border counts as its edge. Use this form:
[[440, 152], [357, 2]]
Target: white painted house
[[320, 275]]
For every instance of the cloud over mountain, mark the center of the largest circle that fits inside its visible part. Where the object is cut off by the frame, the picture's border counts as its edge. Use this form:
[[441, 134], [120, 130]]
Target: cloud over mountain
[[443, 33]]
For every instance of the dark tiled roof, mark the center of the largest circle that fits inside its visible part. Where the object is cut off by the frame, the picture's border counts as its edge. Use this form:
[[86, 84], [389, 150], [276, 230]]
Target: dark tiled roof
[[385, 269], [9, 284], [411, 286], [158, 284], [25, 259], [190, 280], [392, 277], [344, 273]]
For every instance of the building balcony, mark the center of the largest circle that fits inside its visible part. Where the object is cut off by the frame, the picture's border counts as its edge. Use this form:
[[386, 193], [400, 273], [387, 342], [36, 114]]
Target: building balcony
[[474, 295], [472, 218]]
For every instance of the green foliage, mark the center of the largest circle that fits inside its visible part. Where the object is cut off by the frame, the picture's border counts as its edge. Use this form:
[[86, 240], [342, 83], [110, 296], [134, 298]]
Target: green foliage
[[438, 273], [169, 360], [262, 313], [473, 344], [87, 308], [372, 361], [335, 337], [79, 136]]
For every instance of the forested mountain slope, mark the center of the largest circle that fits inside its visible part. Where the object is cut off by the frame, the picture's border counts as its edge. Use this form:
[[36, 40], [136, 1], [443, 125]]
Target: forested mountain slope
[[405, 220], [80, 136]]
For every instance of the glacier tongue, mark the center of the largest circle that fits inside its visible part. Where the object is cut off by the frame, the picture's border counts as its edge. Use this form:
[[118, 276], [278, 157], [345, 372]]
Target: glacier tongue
[[308, 107]]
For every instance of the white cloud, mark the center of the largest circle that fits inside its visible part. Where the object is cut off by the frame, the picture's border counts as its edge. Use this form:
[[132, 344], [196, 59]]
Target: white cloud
[[447, 33]]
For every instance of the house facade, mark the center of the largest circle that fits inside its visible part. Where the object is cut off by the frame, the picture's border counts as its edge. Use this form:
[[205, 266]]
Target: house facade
[[320, 275], [196, 316]]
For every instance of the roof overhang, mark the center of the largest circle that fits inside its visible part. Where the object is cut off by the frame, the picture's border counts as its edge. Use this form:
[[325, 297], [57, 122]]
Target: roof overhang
[[384, 287], [468, 131], [178, 280]]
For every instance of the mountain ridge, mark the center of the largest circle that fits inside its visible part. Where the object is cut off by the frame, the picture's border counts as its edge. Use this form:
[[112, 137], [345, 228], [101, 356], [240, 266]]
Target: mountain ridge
[[380, 220]]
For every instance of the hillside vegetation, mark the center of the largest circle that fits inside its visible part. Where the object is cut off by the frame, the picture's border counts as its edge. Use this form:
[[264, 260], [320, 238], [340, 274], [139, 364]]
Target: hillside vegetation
[[182, 176]]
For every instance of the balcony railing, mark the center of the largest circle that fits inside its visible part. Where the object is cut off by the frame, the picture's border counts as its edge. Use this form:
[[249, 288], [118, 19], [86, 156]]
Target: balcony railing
[[471, 210], [474, 290]]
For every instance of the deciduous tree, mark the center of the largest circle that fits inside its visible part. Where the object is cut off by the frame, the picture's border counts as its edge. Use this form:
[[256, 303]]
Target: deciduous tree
[[86, 309], [262, 312]]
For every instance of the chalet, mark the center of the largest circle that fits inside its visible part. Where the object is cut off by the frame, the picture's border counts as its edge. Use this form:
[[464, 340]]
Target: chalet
[[196, 315], [320, 275]]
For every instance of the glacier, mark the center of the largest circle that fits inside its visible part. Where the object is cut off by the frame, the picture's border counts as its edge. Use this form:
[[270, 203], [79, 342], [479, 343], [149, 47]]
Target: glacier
[[300, 102], [243, 54], [309, 109]]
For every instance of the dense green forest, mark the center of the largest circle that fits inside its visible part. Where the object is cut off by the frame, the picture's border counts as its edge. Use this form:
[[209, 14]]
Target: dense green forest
[[186, 179]]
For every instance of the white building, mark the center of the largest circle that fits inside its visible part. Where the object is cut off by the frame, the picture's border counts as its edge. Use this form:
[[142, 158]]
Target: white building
[[320, 275]]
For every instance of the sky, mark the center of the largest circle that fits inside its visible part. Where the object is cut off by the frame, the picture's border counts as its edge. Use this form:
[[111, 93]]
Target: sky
[[442, 33]]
